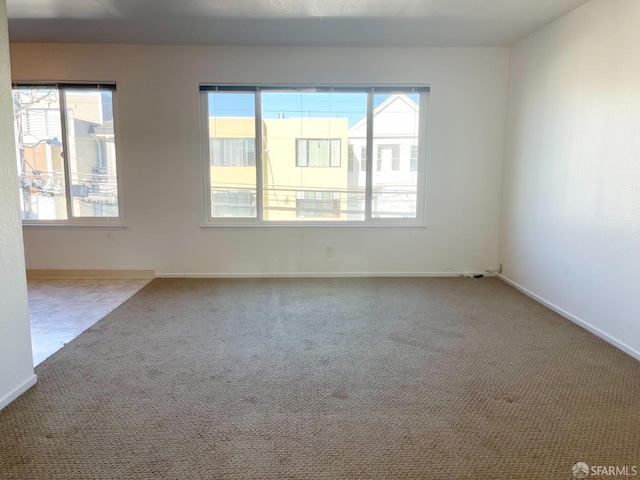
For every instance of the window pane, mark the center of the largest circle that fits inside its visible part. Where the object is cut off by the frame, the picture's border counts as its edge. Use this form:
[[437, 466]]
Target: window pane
[[40, 165], [306, 136], [92, 153], [318, 153], [395, 140], [232, 152]]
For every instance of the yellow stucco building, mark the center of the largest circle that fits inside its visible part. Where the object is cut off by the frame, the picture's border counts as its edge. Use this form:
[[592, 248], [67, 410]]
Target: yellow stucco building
[[304, 168]]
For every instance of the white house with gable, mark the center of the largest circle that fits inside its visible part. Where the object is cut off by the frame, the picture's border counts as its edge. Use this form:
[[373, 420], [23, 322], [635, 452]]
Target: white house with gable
[[394, 159]]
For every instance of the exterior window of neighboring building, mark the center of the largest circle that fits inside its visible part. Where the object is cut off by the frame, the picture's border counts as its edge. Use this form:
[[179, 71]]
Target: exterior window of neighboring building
[[287, 145], [388, 157], [233, 203], [66, 153], [395, 159], [233, 152], [318, 152], [413, 166], [318, 204], [42, 123]]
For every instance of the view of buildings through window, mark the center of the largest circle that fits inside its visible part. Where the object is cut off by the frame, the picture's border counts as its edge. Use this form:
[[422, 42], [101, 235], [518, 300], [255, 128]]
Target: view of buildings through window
[[66, 152], [313, 155]]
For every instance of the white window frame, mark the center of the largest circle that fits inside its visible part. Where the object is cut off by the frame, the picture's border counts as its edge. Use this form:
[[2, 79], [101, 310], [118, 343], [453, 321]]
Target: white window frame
[[418, 221], [72, 221]]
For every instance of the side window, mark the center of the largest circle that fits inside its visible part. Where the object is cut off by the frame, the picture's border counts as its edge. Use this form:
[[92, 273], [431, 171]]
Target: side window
[[66, 148]]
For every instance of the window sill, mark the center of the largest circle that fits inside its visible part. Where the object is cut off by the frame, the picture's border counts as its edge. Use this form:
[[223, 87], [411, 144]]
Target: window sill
[[325, 225], [67, 224]]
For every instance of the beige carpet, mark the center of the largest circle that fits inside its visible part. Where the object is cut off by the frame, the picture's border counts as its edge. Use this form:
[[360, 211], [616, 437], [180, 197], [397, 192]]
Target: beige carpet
[[330, 379]]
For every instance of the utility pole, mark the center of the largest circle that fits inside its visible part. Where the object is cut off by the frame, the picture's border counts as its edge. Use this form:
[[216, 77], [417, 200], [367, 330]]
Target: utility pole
[[24, 184], [21, 109]]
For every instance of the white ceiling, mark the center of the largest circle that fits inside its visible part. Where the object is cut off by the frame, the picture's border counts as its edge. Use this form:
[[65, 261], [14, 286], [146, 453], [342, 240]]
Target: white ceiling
[[283, 22]]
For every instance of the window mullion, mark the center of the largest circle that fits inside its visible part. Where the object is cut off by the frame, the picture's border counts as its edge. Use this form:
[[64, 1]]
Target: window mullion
[[368, 196], [259, 176], [207, 148], [421, 156], [65, 151]]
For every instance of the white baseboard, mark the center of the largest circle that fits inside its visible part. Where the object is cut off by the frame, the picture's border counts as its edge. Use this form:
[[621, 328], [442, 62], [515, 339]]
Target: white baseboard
[[315, 275], [577, 320], [90, 274], [19, 390]]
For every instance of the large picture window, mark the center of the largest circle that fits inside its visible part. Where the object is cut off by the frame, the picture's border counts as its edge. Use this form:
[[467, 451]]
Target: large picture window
[[66, 152], [314, 155]]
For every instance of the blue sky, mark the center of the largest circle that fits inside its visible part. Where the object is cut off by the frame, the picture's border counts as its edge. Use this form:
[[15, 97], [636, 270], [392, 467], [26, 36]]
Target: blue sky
[[295, 104]]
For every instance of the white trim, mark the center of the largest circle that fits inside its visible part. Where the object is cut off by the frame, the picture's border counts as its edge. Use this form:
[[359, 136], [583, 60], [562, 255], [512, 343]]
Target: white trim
[[66, 152], [205, 156], [91, 222], [316, 274], [423, 141], [388, 223], [86, 274], [116, 150], [368, 174], [257, 117], [19, 390], [577, 320]]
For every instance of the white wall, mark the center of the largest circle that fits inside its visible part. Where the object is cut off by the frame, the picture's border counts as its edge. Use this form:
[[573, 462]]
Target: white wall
[[570, 230], [158, 136], [16, 361]]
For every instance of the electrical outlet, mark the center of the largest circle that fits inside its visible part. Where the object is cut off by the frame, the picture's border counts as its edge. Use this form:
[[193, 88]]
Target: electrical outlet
[[328, 251]]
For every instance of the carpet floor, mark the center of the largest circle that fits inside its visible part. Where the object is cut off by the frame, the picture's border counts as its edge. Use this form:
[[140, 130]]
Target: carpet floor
[[327, 379]]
